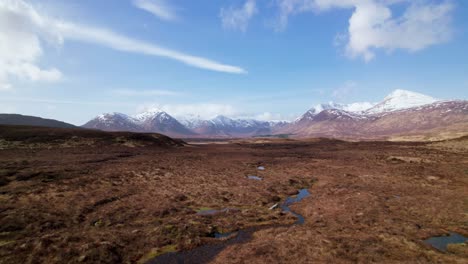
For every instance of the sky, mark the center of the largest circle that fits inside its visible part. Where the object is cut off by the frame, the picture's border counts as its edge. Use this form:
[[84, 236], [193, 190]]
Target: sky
[[266, 59]]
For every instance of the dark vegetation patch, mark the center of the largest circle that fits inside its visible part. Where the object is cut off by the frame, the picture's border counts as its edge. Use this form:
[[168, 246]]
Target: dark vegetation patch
[[29, 135]]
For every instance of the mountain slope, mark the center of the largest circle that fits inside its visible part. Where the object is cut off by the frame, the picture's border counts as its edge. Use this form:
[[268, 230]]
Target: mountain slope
[[401, 112], [114, 122], [399, 100], [152, 121], [222, 126], [450, 117], [23, 120], [161, 122]]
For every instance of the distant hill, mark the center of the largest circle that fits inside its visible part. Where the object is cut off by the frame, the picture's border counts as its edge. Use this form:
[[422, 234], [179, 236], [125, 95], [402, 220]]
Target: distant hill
[[22, 120], [20, 136]]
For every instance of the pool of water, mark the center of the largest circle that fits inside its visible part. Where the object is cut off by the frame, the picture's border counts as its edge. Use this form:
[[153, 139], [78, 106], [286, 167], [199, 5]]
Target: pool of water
[[252, 177], [206, 253], [441, 242], [303, 193], [216, 211]]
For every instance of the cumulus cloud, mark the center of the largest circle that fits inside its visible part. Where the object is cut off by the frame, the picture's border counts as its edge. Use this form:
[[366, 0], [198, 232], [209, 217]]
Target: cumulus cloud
[[373, 26], [20, 47], [159, 8], [23, 31], [238, 18]]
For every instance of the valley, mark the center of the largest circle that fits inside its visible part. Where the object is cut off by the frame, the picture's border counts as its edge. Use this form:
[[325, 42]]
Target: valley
[[73, 196]]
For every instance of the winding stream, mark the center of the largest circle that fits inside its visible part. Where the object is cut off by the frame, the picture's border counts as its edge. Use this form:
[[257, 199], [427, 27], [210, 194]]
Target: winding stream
[[205, 253]]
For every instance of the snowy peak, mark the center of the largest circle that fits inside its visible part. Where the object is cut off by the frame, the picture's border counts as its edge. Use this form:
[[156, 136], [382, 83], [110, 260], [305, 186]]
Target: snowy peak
[[153, 120], [191, 121], [355, 108], [109, 118], [399, 100], [358, 107], [222, 120], [399, 93], [113, 122], [150, 114]]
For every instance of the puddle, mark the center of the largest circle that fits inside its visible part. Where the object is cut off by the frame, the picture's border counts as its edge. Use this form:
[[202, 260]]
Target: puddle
[[441, 242], [252, 177], [206, 253], [260, 168]]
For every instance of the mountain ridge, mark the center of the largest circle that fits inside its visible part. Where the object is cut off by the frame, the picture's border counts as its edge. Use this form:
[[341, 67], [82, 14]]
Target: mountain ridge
[[326, 116]]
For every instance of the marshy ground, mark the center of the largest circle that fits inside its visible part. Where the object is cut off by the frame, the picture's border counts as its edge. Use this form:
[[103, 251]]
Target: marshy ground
[[83, 197]]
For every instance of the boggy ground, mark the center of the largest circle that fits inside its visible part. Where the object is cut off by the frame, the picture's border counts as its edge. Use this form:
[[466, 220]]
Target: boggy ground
[[125, 200]]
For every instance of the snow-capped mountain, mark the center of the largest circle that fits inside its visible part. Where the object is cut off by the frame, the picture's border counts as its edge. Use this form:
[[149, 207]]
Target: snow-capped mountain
[[351, 108], [399, 112], [397, 100], [153, 120], [156, 120], [228, 127], [151, 114], [400, 99], [113, 122], [358, 107], [191, 121]]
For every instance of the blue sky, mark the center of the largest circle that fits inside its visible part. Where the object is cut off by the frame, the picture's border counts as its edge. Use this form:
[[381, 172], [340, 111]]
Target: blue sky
[[269, 59]]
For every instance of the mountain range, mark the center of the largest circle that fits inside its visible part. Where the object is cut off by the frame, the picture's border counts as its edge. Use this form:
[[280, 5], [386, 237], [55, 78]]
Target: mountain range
[[400, 113]]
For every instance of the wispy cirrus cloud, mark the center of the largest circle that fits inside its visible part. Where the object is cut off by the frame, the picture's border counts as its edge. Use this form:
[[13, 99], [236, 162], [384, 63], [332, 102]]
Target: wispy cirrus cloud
[[373, 26], [24, 31], [238, 18], [160, 8]]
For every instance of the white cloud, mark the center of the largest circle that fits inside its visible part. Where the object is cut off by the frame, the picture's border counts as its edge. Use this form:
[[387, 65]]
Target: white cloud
[[373, 26], [20, 47], [118, 42], [291, 7], [345, 90], [5, 86], [238, 18], [129, 92], [23, 31], [159, 8], [268, 116]]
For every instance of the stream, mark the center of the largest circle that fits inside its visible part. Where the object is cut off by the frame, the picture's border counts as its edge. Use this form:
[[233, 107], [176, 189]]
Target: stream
[[205, 253]]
